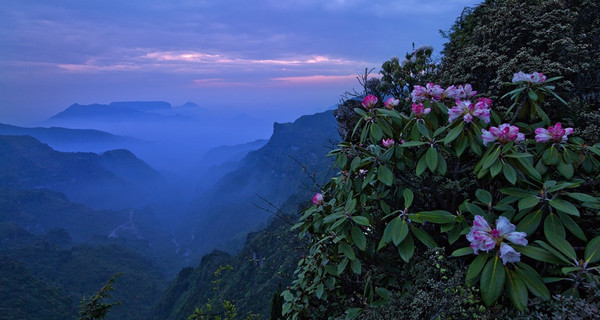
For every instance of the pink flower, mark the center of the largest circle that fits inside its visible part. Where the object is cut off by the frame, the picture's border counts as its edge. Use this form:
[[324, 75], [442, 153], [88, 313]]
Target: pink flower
[[418, 93], [434, 91], [388, 142], [369, 102], [484, 238], [419, 110], [465, 92], [451, 93], [468, 110], [504, 133], [556, 133], [535, 77], [317, 199], [391, 103], [508, 254]]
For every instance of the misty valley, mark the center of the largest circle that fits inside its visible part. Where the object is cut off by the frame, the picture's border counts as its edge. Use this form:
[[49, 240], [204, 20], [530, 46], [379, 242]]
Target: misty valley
[[161, 195]]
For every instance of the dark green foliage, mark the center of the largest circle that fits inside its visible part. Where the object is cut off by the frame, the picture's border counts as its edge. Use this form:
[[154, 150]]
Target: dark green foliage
[[276, 305], [65, 273], [264, 264], [24, 296], [492, 41], [93, 307]]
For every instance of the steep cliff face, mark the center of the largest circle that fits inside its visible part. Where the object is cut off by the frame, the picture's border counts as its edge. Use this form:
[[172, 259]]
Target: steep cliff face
[[273, 172]]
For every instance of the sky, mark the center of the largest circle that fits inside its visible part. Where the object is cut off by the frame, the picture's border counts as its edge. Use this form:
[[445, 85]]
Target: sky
[[283, 58]]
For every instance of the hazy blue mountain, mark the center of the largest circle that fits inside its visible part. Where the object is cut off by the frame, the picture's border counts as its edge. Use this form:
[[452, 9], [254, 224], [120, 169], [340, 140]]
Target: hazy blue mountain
[[274, 172], [115, 111], [114, 179]]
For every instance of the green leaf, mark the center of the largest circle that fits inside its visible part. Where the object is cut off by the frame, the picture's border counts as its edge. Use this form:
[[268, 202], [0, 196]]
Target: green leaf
[[408, 197], [533, 281], [572, 226], [538, 254], [532, 95], [483, 196], [462, 252], [554, 252], [432, 159], [342, 266], [424, 237], [412, 144], [518, 155], [421, 166], [566, 169], [528, 202], [347, 250], [592, 250], [509, 173], [496, 168], [436, 216], [516, 289], [529, 169], [454, 133], [553, 227], [399, 232], [356, 266], [363, 221], [353, 313], [355, 163], [320, 290], [492, 280], [423, 130], [582, 197], [564, 206], [563, 246], [376, 132], [475, 267], [490, 159], [550, 156], [359, 238], [387, 233], [406, 249], [530, 222], [385, 175], [382, 292]]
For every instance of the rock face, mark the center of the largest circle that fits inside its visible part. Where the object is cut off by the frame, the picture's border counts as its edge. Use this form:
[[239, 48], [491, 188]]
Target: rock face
[[273, 173]]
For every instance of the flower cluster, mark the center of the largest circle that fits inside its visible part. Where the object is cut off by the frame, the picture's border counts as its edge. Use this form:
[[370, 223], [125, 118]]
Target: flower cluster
[[430, 91], [535, 77], [459, 93], [484, 238], [419, 110], [555, 132], [391, 103], [388, 142], [369, 102], [317, 199], [468, 110], [504, 133]]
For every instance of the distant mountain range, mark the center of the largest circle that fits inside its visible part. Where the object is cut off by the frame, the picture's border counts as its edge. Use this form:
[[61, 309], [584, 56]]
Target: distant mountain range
[[113, 179], [234, 206], [127, 111]]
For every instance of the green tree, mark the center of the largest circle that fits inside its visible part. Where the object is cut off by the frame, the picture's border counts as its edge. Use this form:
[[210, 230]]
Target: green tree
[[93, 308]]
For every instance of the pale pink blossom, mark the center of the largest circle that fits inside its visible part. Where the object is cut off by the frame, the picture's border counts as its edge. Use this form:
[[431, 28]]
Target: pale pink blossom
[[467, 118], [450, 93], [369, 102], [556, 133], [535, 77], [465, 91], [418, 93], [508, 254], [419, 110], [317, 199], [391, 103], [468, 110], [484, 238], [434, 91], [504, 133], [388, 142]]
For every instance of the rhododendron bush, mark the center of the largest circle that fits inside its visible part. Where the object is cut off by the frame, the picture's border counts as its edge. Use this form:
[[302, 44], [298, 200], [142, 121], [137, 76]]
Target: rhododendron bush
[[519, 227]]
